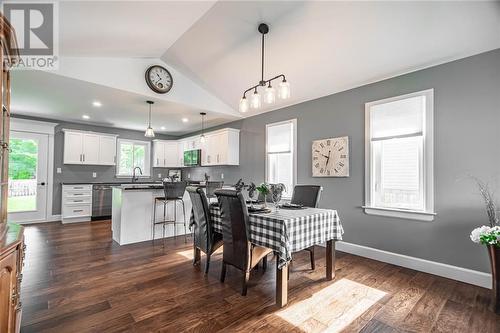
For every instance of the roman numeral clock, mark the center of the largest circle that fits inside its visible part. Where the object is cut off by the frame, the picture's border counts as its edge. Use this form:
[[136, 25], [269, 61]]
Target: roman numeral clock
[[330, 157]]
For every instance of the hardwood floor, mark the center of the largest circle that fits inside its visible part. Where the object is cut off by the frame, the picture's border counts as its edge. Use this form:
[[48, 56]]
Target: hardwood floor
[[77, 280]]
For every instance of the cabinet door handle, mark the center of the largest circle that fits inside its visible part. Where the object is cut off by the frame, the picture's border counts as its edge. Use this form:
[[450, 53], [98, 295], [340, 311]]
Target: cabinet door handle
[[77, 210], [84, 157], [77, 200], [164, 162], [80, 157], [157, 161]]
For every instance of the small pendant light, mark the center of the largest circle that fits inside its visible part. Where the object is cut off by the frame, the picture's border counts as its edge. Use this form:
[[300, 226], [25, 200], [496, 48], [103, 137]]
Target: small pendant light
[[202, 136], [149, 131]]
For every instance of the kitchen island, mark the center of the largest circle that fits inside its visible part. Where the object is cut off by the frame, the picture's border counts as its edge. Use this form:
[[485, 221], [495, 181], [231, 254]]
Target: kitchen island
[[132, 214]]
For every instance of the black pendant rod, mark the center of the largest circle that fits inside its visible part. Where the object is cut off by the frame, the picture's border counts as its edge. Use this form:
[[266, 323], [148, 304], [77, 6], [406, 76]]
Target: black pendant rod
[[263, 29]]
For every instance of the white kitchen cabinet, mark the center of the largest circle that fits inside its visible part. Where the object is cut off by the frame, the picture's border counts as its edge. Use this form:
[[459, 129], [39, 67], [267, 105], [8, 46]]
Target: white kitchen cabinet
[[166, 154], [90, 152], [76, 203], [221, 148], [73, 147], [89, 148], [107, 150]]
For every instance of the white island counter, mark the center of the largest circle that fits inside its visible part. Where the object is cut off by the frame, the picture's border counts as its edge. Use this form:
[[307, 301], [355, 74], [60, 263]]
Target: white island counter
[[132, 214]]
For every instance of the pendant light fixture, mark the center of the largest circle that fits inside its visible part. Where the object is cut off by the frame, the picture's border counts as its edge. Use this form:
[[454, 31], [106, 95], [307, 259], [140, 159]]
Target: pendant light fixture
[[149, 131], [269, 92], [202, 136]]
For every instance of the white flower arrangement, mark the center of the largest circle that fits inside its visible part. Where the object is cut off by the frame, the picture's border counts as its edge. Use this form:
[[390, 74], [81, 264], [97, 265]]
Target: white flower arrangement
[[486, 235]]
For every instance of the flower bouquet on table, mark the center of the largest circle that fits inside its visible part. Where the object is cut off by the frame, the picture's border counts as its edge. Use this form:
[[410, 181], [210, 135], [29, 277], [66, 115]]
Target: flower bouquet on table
[[263, 190], [489, 235]]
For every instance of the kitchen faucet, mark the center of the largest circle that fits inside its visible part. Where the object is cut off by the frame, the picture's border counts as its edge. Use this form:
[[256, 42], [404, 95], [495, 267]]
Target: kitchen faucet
[[134, 177]]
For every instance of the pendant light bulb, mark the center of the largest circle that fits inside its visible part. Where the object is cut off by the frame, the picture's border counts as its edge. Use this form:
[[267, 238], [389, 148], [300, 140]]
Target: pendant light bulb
[[256, 100], [244, 105], [202, 136], [149, 131], [269, 94], [284, 89]]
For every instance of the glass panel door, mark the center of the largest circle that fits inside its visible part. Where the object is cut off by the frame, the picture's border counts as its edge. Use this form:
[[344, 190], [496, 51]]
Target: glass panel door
[[27, 177]]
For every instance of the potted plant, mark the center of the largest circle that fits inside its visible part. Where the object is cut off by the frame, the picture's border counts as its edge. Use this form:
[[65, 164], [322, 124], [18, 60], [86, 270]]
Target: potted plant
[[263, 190], [489, 235]]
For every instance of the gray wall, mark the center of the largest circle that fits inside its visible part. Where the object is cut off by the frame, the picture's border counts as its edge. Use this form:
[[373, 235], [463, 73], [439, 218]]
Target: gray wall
[[467, 140], [83, 173]]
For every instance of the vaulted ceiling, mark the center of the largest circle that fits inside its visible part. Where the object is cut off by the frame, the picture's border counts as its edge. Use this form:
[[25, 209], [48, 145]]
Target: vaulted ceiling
[[213, 51]]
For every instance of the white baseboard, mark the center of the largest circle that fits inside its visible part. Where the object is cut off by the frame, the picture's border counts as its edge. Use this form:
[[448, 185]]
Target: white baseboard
[[50, 218], [448, 271]]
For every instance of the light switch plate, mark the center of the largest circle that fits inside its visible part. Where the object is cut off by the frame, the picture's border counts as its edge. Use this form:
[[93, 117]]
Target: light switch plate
[[221, 176], [59, 170], [94, 174], [189, 176], [159, 175]]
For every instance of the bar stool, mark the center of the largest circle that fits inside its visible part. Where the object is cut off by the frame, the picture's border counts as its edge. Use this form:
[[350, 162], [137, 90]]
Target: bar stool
[[174, 191], [211, 186]]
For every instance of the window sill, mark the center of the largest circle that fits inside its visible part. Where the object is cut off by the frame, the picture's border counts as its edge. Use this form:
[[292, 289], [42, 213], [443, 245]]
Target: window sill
[[400, 213]]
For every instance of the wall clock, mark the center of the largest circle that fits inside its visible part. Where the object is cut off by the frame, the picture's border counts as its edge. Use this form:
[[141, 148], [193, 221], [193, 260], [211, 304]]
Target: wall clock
[[330, 157], [159, 79]]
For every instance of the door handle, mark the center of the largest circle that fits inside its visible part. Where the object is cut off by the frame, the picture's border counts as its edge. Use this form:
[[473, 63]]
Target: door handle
[[41, 184]]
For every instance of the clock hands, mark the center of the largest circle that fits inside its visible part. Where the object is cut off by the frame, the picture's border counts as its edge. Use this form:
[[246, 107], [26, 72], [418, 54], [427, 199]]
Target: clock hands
[[328, 157]]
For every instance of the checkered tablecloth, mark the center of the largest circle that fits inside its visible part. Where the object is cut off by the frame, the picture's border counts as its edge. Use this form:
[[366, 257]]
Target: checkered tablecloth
[[288, 231]]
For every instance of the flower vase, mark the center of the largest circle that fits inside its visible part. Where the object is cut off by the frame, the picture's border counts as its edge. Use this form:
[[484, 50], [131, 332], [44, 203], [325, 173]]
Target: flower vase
[[494, 253], [265, 200]]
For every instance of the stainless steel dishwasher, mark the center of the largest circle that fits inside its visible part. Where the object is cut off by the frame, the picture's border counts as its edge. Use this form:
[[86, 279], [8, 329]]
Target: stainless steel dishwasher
[[101, 201]]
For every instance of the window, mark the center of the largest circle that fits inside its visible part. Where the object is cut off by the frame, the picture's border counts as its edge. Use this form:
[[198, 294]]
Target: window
[[133, 154], [281, 160], [399, 157]]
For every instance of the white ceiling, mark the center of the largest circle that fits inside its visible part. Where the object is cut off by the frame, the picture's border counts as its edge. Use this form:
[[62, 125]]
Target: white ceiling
[[322, 48], [327, 47], [47, 95], [125, 28]]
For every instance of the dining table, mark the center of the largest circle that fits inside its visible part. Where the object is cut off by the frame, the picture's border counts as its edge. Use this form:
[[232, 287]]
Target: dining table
[[286, 231]]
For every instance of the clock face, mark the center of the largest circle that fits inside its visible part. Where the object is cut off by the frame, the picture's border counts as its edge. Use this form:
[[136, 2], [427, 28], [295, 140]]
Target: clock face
[[159, 79], [330, 157]]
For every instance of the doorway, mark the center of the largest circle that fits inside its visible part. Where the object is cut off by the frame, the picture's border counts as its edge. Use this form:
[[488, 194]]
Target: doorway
[[28, 174]]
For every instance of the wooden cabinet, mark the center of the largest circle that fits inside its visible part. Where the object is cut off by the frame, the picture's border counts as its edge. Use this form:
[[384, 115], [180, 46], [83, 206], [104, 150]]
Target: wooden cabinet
[[89, 148], [11, 263], [166, 154]]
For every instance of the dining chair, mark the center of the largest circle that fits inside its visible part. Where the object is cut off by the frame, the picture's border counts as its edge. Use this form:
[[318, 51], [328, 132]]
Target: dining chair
[[237, 249], [211, 186], [205, 238], [307, 196], [173, 192]]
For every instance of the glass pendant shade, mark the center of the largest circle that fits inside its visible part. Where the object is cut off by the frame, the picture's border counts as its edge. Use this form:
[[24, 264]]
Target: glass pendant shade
[[256, 100], [284, 90], [269, 95], [244, 105], [149, 132]]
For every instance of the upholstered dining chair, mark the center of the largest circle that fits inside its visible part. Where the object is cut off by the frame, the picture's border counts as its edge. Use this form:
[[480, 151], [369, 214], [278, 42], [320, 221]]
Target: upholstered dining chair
[[308, 196], [205, 238], [211, 186], [237, 249]]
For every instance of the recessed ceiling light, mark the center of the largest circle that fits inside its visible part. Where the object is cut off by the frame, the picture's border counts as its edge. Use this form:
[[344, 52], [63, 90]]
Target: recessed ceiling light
[[163, 128], [97, 104], [185, 120], [85, 117]]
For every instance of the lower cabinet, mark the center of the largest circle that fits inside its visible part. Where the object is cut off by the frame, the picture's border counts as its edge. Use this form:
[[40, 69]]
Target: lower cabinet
[[76, 203], [11, 263]]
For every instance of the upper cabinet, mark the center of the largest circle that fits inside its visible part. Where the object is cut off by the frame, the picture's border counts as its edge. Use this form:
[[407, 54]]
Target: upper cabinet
[[166, 154], [89, 148], [221, 148]]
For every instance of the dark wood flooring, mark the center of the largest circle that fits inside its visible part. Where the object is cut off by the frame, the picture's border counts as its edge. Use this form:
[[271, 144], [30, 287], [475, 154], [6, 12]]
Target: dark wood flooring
[[77, 280]]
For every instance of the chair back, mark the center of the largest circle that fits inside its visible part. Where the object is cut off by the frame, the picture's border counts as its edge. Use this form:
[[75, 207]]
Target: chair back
[[211, 186], [203, 227], [174, 190], [306, 195], [235, 228]]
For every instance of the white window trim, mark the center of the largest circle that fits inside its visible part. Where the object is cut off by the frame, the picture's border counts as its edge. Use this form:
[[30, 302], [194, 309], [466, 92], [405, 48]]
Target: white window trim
[[428, 161], [147, 171], [294, 153]]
